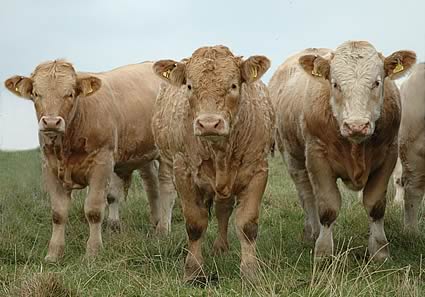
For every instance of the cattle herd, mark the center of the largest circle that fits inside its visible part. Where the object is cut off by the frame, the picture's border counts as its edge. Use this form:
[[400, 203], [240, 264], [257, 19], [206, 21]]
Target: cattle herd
[[202, 129]]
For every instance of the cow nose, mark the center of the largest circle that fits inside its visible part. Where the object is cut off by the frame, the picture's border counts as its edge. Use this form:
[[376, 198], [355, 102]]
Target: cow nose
[[52, 124], [210, 125], [357, 128]]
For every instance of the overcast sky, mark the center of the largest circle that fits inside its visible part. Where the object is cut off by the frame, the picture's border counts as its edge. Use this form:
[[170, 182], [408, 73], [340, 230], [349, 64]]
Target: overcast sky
[[99, 35]]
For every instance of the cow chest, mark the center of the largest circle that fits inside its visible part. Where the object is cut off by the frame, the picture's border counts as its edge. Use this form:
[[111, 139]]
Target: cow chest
[[71, 169], [222, 179]]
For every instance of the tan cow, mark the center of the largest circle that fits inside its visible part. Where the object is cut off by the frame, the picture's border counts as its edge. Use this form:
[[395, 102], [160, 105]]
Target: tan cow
[[338, 114], [412, 145], [213, 126], [94, 130]]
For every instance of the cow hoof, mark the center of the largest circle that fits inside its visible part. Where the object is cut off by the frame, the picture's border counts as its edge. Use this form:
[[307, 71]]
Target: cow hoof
[[114, 225], [379, 250], [382, 255], [322, 251], [162, 230], [220, 247], [202, 280], [195, 275], [51, 259], [93, 249], [55, 253], [193, 269], [249, 271]]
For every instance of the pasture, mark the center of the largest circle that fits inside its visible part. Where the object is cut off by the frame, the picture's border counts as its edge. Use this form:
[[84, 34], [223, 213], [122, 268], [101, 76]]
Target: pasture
[[137, 263]]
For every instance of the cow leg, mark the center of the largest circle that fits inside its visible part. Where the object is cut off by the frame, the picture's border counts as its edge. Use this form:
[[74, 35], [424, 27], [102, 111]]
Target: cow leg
[[329, 202], [195, 214], [399, 190], [60, 201], [374, 201], [149, 175], [300, 177], [223, 211], [94, 206], [247, 213], [414, 185], [117, 193], [162, 202]]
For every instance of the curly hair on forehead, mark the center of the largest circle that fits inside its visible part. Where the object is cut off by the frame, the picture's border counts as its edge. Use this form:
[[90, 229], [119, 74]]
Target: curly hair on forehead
[[212, 58], [213, 52], [53, 68]]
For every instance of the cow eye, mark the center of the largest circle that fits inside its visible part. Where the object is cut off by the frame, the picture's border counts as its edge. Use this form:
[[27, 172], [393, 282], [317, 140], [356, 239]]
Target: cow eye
[[234, 87], [335, 86], [189, 87], [35, 94], [68, 95], [376, 84]]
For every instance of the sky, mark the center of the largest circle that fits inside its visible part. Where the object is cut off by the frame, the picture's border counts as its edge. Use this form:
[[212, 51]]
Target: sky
[[98, 35]]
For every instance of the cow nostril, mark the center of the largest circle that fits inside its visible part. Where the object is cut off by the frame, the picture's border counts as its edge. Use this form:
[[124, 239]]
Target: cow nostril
[[44, 121], [216, 124], [346, 125], [58, 122], [200, 124]]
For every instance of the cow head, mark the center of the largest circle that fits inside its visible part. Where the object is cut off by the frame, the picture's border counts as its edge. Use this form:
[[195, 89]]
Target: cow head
[[356, 74], [212, 80], [55, 88]]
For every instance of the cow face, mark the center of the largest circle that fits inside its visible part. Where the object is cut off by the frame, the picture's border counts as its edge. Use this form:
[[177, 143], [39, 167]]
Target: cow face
[[55, 88], [356, 74], [212, 80]]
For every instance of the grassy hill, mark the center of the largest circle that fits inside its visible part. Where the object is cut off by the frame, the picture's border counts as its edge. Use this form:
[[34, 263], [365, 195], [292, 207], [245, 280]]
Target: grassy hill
[[136, 263]]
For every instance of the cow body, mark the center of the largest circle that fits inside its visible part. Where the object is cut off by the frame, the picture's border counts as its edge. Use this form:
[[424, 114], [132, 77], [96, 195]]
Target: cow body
[[412, 145], [217, 150], [95, 130], [338, 117]]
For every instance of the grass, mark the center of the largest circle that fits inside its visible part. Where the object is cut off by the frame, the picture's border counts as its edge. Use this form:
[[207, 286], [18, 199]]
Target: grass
[[136, 263]]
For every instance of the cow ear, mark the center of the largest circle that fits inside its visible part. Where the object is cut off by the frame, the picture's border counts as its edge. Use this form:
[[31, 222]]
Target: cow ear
[[171, 71], [254, 67], [88, 85], [316, 66], [20, 86], [397, 64]]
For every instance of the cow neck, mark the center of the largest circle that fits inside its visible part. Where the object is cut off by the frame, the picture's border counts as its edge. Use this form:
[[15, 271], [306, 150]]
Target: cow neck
[[227, 155], [358, 174], [60, 148], [322, 124]]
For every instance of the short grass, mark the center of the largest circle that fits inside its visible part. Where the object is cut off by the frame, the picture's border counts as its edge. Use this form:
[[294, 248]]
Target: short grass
[[136, 263]]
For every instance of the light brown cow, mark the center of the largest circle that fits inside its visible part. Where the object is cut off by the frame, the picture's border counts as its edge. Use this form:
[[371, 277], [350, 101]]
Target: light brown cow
[[412, 145], [213, 127], [94, 130], [338, 114]]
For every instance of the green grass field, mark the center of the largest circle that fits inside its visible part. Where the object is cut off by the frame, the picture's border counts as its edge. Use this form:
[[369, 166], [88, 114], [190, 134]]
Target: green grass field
[[136, 263]]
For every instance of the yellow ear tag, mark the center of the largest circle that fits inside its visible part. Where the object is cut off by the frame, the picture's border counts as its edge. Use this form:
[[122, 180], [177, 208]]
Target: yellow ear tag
[[398, 68], [16, 89], [254, 72], [166, 74], [315, 73]]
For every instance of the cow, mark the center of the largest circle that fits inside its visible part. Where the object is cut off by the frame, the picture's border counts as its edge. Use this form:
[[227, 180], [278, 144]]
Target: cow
[[412, 145], [213, 126], [94, 131], [337, 116]]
